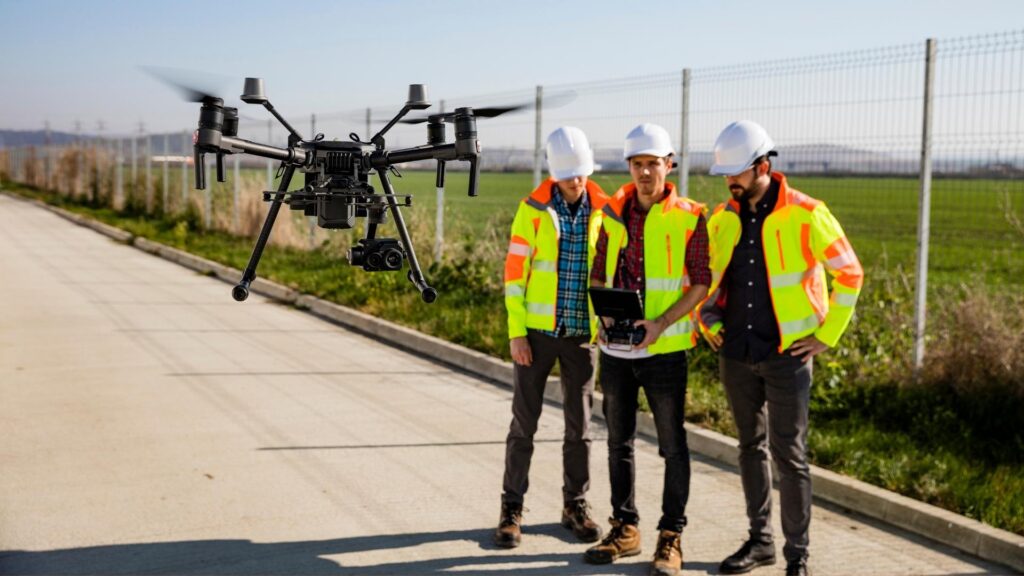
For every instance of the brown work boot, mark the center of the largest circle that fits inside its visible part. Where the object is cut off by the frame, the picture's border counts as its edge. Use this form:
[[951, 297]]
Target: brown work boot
[[576, 517], [622, 540], [668, 556], [509, 534]]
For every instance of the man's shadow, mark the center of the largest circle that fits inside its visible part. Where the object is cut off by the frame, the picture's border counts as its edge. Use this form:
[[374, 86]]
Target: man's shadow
[[202, 557]]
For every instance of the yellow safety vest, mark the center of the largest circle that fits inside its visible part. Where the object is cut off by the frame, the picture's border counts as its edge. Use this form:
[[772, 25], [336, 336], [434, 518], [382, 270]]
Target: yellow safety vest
[[531, 265], [667, 229], [801, 239]]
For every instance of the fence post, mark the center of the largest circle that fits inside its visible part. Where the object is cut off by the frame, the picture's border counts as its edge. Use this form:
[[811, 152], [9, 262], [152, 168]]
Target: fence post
[[439, 222], [538, 155], [147, 149], [134, 174], [166, 174], [924, 210], [46, 158], [119, 175], [684, 138]]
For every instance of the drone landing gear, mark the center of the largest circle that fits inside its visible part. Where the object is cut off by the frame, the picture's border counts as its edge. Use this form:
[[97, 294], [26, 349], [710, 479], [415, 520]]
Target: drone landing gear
[[428, 293], [241, 290]]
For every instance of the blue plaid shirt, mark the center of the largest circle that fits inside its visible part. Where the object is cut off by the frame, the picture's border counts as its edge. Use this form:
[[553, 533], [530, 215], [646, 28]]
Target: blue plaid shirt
[[572, 316]]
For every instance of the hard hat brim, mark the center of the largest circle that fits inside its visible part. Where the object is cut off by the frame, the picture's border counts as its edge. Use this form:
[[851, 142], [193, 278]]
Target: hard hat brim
[[658, 152], [730, 170], [582, 170]]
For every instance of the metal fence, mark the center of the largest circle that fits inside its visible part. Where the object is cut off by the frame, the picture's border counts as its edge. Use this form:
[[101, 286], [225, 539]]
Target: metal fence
[[911, 146]]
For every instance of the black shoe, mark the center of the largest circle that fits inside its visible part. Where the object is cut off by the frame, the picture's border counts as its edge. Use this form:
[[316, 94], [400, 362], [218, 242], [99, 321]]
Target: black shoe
[[507, 535], [797, 567], [752, 554]]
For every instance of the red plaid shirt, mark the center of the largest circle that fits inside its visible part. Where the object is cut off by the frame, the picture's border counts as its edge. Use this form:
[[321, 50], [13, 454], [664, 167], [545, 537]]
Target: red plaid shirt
[[629, 273]]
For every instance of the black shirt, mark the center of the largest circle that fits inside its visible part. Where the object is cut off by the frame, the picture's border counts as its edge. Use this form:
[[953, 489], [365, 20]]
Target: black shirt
[[751, 330]]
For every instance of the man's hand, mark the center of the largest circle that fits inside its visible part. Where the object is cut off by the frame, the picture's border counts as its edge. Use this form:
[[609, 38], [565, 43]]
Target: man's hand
[[654, 329], [714, 340], [806, 348], [521, 353]]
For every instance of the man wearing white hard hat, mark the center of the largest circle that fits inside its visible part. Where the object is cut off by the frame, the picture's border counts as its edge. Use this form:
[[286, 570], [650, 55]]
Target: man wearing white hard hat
[[768, 313], [549, 319], [653, 241]]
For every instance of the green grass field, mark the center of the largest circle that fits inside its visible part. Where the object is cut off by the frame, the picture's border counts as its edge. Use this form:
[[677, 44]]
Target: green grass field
[[971, 223]]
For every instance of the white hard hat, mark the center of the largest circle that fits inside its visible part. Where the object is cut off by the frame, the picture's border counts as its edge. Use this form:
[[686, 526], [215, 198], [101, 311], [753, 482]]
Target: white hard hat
[[569, 154], [738, 146], [648, 139]]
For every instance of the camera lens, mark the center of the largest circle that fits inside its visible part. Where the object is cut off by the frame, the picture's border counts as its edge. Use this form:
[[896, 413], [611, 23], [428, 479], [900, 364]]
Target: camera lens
[[355, 256], [374, 261], [393, 259]]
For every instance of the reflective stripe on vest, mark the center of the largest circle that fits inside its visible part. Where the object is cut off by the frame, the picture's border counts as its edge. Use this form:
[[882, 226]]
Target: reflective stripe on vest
[[545, 266], [667, 284], [844, 299], [540, 309]]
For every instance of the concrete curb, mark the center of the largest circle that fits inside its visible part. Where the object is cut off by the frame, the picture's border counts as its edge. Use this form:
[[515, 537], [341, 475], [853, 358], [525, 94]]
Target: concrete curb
[[946, 527]]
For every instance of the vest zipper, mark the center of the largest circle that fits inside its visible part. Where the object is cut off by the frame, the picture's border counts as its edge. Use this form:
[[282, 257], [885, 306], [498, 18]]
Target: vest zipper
[[668, 247], [778, 240]]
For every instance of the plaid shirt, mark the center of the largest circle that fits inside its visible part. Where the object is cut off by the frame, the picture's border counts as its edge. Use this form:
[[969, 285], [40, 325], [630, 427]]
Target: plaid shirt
[[572, 316], [629, 273]]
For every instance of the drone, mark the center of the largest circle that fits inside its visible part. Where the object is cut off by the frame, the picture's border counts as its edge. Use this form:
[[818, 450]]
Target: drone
[[336, 185]]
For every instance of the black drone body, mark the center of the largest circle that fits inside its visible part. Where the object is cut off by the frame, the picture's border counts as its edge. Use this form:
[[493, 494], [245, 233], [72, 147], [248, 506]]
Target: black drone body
[[336, 186]]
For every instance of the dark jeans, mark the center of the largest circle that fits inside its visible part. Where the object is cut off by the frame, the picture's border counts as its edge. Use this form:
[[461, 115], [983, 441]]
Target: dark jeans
[[577, 376], [770, 402], [663, 379]]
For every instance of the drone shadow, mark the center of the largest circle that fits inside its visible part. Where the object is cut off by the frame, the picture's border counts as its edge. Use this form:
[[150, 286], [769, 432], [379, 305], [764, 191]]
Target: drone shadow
[[208, 557]]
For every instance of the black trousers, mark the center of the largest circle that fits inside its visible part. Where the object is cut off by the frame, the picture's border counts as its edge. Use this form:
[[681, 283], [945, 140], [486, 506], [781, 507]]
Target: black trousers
[[770, 402], [577, 376], [663, 379]]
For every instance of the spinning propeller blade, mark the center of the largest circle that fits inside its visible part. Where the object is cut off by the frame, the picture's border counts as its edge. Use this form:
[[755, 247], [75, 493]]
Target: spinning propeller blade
[[553, 101], [192, 85]]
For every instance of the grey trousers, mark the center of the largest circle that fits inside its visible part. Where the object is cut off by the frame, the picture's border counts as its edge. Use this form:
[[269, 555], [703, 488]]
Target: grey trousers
[[770, 403], [577, 376]]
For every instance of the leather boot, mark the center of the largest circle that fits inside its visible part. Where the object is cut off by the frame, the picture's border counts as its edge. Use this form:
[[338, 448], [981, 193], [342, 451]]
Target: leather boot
[[509, 533], [668, 556], [752, 554], [576, 517], [622, 540]]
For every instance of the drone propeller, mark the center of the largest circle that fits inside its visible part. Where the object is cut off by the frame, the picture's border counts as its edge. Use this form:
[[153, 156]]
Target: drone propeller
[[192, 85], [489, 112], [553, 101]]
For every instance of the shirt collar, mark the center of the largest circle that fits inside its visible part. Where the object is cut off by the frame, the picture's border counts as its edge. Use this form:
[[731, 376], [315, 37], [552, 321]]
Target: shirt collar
[[767, 202], [560, 203]]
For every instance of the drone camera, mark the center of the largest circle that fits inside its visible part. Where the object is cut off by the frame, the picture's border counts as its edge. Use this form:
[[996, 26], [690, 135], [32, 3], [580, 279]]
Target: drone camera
[[377, 254]]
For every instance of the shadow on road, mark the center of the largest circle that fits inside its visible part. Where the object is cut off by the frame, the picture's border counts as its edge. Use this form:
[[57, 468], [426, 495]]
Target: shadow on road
[[201, 557]]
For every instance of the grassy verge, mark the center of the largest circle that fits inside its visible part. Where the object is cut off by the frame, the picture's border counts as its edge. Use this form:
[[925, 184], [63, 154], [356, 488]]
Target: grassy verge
[[953, 440]]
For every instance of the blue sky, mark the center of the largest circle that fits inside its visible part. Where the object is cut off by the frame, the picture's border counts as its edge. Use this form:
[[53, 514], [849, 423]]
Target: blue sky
[[64, 61]]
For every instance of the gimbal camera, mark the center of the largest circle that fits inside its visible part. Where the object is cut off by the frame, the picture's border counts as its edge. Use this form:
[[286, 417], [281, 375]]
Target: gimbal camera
[[336, 187]]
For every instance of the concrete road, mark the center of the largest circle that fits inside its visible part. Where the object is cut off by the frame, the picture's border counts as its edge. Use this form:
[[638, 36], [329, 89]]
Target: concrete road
[[150, 424]]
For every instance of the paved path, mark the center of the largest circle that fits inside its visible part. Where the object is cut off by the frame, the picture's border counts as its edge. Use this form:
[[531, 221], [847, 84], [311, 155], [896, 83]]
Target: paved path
[[150, 424]]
